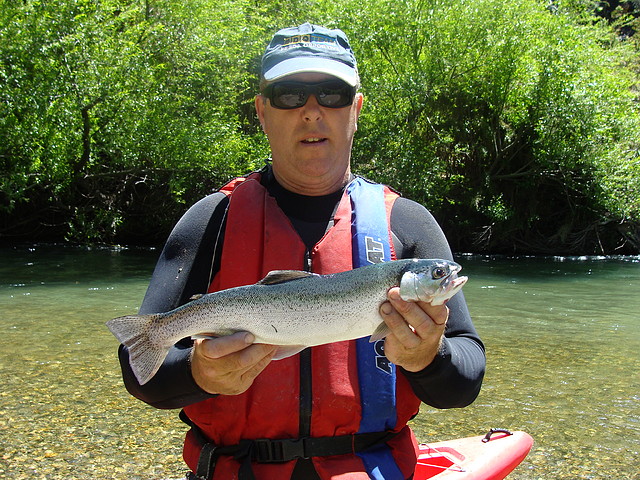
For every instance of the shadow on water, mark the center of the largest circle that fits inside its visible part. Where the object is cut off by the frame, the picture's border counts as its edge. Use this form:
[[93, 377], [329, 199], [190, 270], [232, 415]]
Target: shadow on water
[[562, 337]]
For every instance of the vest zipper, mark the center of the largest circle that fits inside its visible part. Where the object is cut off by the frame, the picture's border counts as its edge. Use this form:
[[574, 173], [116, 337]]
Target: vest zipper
[[306, 393]]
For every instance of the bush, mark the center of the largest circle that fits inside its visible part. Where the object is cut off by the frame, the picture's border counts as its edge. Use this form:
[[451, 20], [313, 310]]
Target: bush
[[516, 123], [508, 120]]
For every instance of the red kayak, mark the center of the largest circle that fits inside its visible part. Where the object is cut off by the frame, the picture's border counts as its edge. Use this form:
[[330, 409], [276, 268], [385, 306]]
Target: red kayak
[[491, 457]]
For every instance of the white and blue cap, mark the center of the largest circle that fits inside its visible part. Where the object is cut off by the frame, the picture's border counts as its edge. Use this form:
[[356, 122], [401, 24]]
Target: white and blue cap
[[309, 48]]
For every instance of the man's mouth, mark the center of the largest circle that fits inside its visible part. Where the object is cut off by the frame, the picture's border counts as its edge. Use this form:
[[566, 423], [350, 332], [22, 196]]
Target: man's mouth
[[313, 140]]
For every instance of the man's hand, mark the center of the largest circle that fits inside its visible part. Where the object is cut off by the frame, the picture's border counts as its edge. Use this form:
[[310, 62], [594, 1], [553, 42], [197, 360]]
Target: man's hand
[[416, 331], [228, 365]]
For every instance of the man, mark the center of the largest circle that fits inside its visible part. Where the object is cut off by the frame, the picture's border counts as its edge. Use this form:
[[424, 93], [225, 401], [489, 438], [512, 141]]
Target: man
[[335, 409]]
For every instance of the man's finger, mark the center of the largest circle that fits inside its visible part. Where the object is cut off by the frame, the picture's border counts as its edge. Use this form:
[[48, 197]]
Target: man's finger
[[437, 313], [398, 326], [419, 315], [258, 367], [222, 346], [256, 354]]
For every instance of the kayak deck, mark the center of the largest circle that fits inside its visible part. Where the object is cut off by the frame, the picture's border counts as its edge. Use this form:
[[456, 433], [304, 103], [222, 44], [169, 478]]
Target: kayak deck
[[491, 457]]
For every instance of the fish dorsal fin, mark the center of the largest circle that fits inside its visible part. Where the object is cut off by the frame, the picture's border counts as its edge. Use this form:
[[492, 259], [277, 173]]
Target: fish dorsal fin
[[281, 276], [197, 296]]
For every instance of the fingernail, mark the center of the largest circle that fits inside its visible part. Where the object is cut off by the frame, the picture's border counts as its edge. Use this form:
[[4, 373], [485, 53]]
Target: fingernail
[[249, 338], [394, 295], [386, 308]]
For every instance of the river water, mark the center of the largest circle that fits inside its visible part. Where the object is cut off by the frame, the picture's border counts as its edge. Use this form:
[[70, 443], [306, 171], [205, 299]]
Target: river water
[[562, 337]]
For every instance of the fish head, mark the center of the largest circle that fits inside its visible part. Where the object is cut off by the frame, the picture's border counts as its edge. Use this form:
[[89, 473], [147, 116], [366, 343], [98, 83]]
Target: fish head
[[431, 280]]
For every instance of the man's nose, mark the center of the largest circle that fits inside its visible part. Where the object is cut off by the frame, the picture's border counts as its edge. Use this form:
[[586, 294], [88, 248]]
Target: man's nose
[[312, 110]]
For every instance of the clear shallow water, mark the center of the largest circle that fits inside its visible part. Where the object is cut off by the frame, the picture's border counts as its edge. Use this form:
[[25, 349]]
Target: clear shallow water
[[562, 336], [563, 343]]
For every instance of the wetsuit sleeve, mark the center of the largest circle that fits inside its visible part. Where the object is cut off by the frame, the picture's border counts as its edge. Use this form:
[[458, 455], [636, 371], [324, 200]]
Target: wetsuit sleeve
[[183, 270], [454, 378]]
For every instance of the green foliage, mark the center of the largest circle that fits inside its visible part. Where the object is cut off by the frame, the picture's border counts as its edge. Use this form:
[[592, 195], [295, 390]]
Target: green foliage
[[101, 96], [516, 123], [502, 117]]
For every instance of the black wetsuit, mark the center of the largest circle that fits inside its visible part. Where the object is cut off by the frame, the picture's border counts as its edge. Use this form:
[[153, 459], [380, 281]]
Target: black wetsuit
[[188, 261]]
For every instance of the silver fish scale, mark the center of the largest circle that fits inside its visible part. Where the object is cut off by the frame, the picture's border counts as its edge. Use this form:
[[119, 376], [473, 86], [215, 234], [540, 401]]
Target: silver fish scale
[[319, 309]]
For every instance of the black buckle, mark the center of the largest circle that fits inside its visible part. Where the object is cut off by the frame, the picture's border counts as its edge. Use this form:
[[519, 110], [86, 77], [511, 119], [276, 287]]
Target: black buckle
[[277, 451]]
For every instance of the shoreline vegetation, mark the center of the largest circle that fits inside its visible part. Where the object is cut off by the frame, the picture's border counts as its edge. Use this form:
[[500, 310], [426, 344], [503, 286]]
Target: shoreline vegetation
[[516, 123]]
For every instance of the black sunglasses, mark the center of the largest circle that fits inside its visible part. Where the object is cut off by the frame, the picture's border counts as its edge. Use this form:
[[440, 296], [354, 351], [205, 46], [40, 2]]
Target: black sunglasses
[[331, 94]]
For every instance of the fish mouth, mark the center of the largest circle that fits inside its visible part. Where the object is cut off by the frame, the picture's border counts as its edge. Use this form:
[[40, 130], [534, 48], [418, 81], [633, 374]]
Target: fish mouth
[[459, 282], [454, 282], [448, 289]]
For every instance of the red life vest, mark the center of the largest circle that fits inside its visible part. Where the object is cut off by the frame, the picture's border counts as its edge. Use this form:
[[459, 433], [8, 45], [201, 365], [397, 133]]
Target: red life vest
[[260, 238]]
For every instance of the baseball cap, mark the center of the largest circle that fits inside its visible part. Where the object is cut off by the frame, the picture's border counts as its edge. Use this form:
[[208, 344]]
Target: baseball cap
[[309, 48]]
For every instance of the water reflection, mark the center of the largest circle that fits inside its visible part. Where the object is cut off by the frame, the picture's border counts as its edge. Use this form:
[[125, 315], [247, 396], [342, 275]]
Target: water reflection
[[562, 336]]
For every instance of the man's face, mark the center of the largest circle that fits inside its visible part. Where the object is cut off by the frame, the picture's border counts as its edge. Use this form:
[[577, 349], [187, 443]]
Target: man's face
[[310, 145]]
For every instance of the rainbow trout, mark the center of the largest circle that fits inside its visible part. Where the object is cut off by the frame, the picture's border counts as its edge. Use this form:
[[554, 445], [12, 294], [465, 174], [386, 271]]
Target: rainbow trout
[[291, 309]]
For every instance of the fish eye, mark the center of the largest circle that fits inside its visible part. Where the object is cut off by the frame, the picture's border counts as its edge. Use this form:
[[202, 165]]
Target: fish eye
[[439, 272]]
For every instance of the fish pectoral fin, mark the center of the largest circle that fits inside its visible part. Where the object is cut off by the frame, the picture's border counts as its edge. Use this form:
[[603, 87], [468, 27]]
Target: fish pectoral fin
[[380, 332], [203, 336], [285, 351], [281, 276]]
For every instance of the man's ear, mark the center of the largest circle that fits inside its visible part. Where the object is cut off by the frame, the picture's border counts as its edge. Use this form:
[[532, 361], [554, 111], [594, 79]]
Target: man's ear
[[260, 106], [358, 101]]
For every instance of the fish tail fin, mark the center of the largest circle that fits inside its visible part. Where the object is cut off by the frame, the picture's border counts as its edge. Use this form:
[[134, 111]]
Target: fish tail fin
[[145, 355]]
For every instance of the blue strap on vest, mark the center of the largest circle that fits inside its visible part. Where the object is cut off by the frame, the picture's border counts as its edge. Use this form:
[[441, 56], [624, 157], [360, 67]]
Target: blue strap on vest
[[377, 376]]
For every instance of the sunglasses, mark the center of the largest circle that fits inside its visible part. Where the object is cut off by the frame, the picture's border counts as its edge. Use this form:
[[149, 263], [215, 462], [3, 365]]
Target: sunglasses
[[331, 94]]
